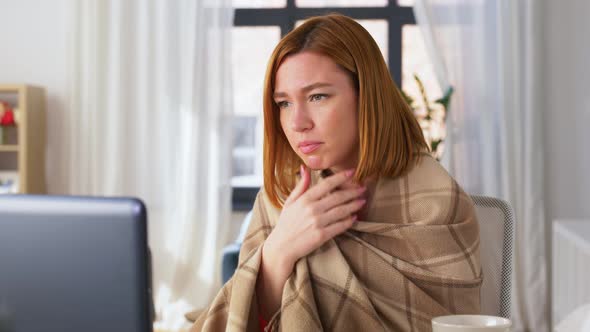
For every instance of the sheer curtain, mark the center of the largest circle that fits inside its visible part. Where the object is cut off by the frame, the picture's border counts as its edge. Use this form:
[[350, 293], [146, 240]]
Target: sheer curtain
[[148, 114], [489, 51]]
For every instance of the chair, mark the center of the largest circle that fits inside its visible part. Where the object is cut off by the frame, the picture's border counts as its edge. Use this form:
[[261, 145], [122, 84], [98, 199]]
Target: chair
[[496, 228], [231, 252]]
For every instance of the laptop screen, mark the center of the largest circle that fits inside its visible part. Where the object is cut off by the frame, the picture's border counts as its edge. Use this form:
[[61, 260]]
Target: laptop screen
[[73, 264]]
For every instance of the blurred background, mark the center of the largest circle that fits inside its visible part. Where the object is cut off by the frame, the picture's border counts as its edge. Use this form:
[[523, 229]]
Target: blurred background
[[162, 100]]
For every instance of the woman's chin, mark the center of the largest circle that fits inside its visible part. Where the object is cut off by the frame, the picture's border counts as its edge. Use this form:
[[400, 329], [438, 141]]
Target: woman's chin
[[314, 162]]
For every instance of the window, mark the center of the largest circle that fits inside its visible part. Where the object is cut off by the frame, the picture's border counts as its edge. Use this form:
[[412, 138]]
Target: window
[[251, 48], [259, 25]]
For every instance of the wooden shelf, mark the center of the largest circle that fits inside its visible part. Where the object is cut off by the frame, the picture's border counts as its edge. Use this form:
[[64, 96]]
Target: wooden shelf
[[8, 148], [12, 87], [27, 157]]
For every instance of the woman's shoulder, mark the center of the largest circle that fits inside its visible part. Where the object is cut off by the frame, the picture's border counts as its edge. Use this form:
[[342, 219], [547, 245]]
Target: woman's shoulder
[[426, 186], [429, 172], [426, 174]]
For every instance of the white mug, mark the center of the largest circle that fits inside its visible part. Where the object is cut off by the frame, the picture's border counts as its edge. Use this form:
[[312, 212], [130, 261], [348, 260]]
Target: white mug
[[470, 323]]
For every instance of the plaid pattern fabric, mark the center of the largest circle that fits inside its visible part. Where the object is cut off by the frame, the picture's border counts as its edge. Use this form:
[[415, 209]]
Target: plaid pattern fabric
[[415, 257]]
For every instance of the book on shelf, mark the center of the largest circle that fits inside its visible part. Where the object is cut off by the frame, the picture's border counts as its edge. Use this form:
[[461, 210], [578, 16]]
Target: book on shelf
[[8, 182]]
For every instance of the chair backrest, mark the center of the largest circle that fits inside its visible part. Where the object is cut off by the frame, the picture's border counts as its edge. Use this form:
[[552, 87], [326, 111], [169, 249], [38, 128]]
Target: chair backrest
[[496, 224]]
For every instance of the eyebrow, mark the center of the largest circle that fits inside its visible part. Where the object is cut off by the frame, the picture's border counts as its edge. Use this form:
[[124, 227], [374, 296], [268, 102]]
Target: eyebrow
[[304, 89]]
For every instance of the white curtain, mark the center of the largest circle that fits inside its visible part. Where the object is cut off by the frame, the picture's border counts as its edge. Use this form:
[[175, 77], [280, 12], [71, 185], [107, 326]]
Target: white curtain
[[488, 50], [148, 114]]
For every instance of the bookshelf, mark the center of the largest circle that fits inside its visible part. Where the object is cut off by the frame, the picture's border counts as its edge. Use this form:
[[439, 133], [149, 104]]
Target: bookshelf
[[22, 152]]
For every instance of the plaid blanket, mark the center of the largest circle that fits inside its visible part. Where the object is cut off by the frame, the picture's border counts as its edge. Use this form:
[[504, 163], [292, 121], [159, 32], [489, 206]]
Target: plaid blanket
[[415, 257]]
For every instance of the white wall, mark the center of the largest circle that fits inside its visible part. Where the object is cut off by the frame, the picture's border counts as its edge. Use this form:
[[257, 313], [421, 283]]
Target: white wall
[[33, 50], [567, 100]]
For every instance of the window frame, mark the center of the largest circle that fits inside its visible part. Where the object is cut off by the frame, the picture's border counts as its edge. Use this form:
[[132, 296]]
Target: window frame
[[286, 17]]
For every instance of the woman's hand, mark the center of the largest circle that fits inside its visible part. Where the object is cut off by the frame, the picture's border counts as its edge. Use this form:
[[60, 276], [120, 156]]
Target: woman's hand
[[309, 218]]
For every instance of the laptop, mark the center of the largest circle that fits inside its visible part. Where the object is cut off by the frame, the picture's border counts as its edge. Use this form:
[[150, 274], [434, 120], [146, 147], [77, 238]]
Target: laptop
[[73, 264]]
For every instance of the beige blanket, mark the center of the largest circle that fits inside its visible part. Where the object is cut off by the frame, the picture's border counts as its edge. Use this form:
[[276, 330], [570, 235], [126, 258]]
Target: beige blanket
[[416, 256]]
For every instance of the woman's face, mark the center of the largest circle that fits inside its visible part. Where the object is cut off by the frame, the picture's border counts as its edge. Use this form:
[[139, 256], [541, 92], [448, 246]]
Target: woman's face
[[318, 110]]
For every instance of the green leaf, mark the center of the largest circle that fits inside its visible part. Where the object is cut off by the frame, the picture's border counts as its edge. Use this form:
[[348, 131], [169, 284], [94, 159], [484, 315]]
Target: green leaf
[[423, 93], [434, 144], [408, 99], [445, 99]]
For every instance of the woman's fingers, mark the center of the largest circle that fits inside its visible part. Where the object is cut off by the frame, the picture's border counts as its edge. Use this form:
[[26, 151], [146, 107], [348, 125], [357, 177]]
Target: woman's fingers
[[348, 185], [339, 227], [339, 197], [342, 211], [329, 184], [301, 186]]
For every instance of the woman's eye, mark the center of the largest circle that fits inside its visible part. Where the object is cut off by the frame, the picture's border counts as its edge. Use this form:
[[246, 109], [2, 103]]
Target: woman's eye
[[317, 97], [282, 104]]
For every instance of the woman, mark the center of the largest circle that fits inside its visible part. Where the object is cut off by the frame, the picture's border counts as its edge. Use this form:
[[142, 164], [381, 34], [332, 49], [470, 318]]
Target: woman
[[357, 227]]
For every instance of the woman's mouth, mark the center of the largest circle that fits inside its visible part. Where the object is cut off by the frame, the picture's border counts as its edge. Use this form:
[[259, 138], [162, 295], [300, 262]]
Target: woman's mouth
[[309, 147]]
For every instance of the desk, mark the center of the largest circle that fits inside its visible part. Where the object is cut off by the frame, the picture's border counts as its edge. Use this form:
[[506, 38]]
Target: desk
[[571, 266]]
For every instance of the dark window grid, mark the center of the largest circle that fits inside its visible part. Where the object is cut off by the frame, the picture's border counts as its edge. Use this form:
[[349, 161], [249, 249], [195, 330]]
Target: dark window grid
[[285, 18]]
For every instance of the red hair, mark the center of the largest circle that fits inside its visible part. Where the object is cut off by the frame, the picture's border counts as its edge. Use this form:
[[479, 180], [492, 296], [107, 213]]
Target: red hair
[[390, 137]]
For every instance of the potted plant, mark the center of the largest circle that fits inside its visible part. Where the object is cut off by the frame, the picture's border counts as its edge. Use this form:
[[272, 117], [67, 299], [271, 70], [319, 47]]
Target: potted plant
[[432, 116], [7, 119]]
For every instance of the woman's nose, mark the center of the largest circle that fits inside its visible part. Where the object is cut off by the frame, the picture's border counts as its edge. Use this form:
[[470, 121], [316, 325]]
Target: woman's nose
[[300, 120]]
